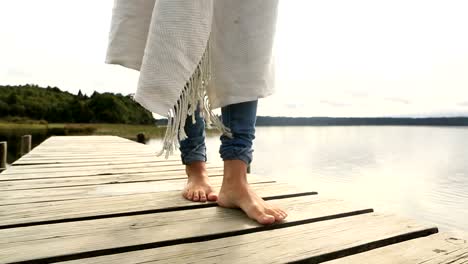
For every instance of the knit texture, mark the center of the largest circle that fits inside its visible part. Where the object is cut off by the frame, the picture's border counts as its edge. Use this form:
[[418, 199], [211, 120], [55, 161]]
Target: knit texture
[[204, 52]]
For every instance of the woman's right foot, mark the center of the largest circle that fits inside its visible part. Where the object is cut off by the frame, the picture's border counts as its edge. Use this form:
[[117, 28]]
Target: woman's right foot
[[236, 193], [198, 188]]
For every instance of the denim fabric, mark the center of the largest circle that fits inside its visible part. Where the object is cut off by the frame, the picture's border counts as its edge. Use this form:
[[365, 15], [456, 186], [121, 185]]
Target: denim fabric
[[240, 118], [193, 148]]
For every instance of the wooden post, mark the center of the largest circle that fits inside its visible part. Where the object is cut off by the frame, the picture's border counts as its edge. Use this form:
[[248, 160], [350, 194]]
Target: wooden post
[[25, 144], [3, 155], [141, 138]]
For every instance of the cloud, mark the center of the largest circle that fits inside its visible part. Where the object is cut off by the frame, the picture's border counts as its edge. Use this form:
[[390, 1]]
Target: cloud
[[18, 73], [357, 93], [398, 100], [293, 106], [334, 103]]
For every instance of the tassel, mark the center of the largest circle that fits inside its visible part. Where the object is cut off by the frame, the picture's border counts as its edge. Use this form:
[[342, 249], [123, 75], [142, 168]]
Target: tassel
[[193, 94]]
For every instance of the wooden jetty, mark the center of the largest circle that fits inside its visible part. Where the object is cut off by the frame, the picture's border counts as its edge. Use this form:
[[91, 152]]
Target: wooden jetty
[[105, 199]]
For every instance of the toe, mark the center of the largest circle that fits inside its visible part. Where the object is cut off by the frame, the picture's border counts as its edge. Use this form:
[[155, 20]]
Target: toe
[[256, 213], [275, 213], [266, 219], [202, 196], [189, 195], [283, 213], [196, 196], [212, 196]]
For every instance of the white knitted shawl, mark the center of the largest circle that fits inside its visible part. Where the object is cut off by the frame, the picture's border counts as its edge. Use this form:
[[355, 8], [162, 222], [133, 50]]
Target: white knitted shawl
[[210, 53]]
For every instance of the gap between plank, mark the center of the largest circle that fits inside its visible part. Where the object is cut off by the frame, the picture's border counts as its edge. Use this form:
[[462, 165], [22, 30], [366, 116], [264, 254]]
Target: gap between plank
[[151, 211], [112, 182], [369, 246], [99, 165], [102, 174], [195, 239]]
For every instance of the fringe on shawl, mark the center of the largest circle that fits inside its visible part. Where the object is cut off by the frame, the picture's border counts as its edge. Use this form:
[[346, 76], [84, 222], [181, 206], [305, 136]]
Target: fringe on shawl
[[193, 95]]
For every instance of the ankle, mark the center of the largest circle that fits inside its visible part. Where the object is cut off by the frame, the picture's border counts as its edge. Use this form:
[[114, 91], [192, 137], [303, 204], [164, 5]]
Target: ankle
[[196, 165], [196, 169], [235, 173]]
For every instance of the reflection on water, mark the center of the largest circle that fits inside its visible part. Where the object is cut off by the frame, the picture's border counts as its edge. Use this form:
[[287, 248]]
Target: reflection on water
[[420, 172]]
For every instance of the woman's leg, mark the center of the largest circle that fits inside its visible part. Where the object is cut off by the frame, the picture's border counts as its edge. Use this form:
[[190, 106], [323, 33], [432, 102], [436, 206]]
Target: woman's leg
[[193, 154], [236, 153]]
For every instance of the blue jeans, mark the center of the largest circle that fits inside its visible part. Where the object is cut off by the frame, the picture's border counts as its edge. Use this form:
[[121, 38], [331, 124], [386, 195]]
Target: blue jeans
[[239, 118]]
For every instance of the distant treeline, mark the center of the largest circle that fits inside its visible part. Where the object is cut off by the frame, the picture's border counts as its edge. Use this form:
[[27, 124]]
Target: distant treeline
[[354, 121], [53, 105], [361, 121]]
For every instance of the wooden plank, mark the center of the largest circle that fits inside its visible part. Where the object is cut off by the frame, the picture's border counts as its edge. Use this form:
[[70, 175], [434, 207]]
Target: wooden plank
[[77, 153], [86, 192], [87, 138], [60, 147], [31, 173], [89, 145], [166, 198], [71, 156], [80, 160], [308, 243], [84, 166], [98, 180], [49, 242], [78, 137], [91, 172], [436, 249], [48, 149], [60, 150], [121, 152], [113, 164]]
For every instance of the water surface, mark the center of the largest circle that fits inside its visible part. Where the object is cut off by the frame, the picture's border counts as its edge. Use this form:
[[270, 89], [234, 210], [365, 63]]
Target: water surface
[[418, 172]]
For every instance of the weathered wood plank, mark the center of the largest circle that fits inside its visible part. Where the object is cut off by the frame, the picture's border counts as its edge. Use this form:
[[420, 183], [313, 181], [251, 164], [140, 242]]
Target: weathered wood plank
[[77, 154], [26, 169], [94, 171], [65, 239], [442, 248], [74, 155], [165, 198], [50, 148], [21, 162], [86, 192], [98, 180], [71, 150], [105, 138], [308, 243], [89, 145], [48, 168]]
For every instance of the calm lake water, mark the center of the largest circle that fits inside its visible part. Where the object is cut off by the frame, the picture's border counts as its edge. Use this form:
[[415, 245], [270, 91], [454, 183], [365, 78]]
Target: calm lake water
[[418, 172]]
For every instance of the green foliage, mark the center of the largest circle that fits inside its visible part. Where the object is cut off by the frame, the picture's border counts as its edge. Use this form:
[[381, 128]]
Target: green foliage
[[53, 105]]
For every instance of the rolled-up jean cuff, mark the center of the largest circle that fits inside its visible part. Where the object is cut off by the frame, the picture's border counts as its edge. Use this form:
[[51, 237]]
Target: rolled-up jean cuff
[[237, 154], [192, 158]]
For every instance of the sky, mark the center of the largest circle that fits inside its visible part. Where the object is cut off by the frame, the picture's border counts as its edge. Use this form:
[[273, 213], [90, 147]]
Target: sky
[[333, 58]]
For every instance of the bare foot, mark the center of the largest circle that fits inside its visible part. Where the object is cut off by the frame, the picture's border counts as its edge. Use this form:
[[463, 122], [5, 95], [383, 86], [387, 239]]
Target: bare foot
[[198, 188], [236, 193]]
